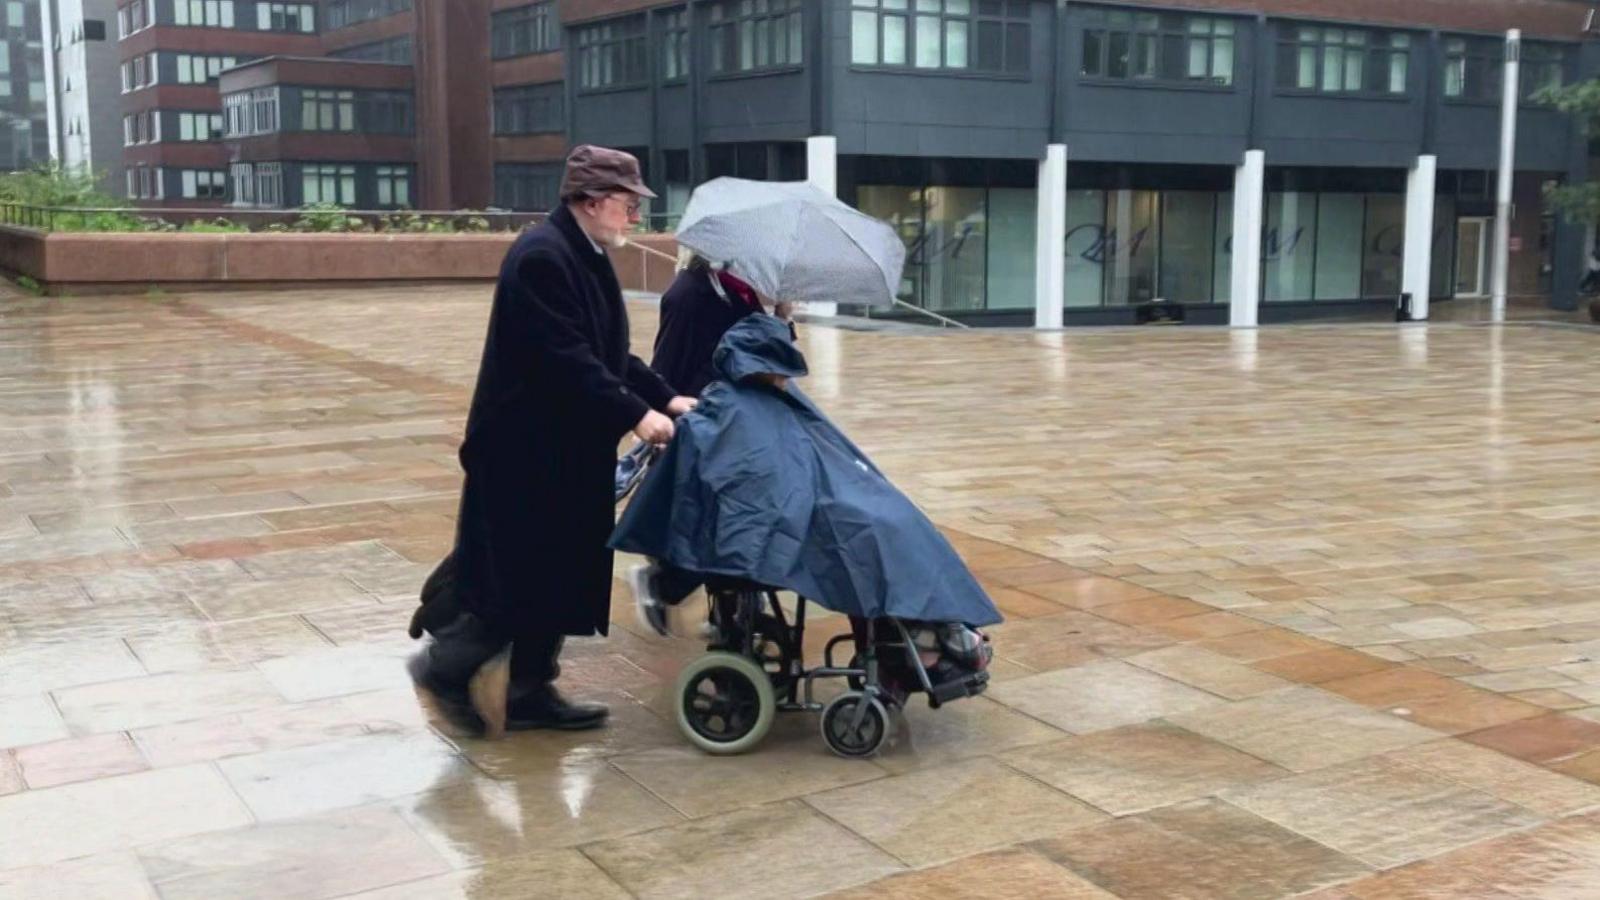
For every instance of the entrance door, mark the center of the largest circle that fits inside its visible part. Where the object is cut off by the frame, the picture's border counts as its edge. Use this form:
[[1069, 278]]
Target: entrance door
[[1472, 257]]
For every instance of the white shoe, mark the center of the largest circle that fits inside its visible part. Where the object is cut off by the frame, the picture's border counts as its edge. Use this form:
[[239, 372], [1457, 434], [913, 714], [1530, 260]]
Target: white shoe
[[652, 612]]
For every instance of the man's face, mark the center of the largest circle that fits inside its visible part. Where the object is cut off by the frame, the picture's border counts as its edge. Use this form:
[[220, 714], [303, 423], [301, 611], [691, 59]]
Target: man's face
[[614, 215]]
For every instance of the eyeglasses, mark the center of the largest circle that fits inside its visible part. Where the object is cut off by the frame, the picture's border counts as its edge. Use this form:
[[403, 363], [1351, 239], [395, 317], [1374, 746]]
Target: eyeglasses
[[632, 205]]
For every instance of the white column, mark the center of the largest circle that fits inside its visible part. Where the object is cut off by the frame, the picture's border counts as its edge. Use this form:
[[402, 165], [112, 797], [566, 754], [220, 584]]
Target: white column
[[49, 28], [1248, 182], [1050, 247], [822, 170], [822, 163], [1417, 273], [1508, 152]]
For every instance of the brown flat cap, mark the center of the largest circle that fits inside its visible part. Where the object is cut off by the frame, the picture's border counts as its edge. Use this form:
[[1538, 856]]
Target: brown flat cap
[[595, 170]]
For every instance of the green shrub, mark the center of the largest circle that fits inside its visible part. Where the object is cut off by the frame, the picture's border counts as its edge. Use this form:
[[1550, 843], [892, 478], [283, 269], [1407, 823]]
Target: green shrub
[[215, 226]]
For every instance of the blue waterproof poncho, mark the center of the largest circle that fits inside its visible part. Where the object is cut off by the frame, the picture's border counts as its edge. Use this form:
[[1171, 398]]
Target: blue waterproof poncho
[[759, 485]]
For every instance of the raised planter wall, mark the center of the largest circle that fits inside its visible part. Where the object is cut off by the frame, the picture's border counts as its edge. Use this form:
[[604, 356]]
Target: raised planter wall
[[90, 263]]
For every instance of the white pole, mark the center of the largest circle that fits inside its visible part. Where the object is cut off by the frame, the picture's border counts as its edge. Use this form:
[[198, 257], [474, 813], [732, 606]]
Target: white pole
[[1508, 151], [1417, 273], [822, 170], [1050, 279], [1248, 183]]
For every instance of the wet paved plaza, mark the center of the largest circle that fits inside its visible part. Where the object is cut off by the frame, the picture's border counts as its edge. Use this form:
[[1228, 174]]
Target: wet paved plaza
[[1304, 611]]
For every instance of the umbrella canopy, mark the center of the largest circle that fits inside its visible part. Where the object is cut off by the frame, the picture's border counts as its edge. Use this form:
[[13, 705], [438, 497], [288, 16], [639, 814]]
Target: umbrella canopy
[[792, 242]]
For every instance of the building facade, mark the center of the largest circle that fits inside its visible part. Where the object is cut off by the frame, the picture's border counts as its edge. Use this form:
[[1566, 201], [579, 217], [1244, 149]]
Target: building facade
[[941, 111], [24, 97], [932, 114], [87, 115]]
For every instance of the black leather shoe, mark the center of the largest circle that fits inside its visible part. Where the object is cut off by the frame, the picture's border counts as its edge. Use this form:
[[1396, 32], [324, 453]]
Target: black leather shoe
[[546, 708]]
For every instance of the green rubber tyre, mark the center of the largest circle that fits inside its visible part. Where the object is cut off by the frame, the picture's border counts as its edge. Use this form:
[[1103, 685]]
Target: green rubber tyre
[[725, 703]]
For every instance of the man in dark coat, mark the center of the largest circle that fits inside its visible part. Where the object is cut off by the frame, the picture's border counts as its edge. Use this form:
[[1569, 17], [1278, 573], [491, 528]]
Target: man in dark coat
[[557, 389]]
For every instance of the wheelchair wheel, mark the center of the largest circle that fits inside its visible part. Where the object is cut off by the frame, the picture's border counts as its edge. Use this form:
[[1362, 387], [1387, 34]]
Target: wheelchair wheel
[[726, 703], [848, 738]]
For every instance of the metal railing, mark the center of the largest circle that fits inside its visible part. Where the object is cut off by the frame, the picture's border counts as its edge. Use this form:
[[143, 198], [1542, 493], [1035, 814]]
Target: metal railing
[[81, 218]]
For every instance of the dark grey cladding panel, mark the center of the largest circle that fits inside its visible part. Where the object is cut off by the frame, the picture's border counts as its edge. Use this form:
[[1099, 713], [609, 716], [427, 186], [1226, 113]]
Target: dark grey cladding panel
[[1469, 137], [672, 111], [1100, 146], [773, 107], [612, 118], [962, 142]]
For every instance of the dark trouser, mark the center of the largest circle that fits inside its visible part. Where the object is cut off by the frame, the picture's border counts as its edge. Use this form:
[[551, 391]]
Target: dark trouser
[[461, 647], [673, 584]]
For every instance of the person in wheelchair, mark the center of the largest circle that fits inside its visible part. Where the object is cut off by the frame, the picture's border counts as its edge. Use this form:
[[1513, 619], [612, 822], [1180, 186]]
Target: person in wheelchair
[[758, 486]]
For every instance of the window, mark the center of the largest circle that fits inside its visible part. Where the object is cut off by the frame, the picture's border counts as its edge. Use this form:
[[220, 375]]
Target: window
[[384, 112], [341, 13], [144, 183], [328, 184], [136, 16], [138, 73], [251, 112], [394, 186], [141, 128], [1474, 69], [203, 13], [327, 110], [527, 186], [1157, 46], [244, 183], [394, 50], [524, 30], [94, 29], [269, 184], [747, 35], [979, 35], [199, 126], [286, 17], [204, 184], [202, 69], [1344, 60], [529, 109], [675, 45], [612, 54]]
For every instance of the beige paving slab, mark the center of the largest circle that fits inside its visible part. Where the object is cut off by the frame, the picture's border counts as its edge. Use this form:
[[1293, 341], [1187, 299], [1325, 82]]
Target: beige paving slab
[[801, 852], [30, 719], [554, 873], [301, 781], [1139, 767], [999, 873], [108, 876], [79, 759], [310, 857], [1208, 671], [1303, 729], [1381, 812], [1100, 695], [111, 814], [939, 814], [163, 699]]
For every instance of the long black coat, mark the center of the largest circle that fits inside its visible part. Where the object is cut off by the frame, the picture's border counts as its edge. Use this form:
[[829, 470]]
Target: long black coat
[[557, 390]]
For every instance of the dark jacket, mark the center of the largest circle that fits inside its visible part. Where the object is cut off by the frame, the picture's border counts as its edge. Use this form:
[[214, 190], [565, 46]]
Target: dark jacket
[[557, 390], [693, 319], [759, 485]]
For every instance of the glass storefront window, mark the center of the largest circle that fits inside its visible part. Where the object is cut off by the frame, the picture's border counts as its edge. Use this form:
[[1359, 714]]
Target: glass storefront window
[[1130, 245], [1444, 245], [1338, 246], [954, 238], [1287, 246], [1187, 251], [1384, 251], [1013, 225], [901, 207], [1086, 232], [1222, 285]]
